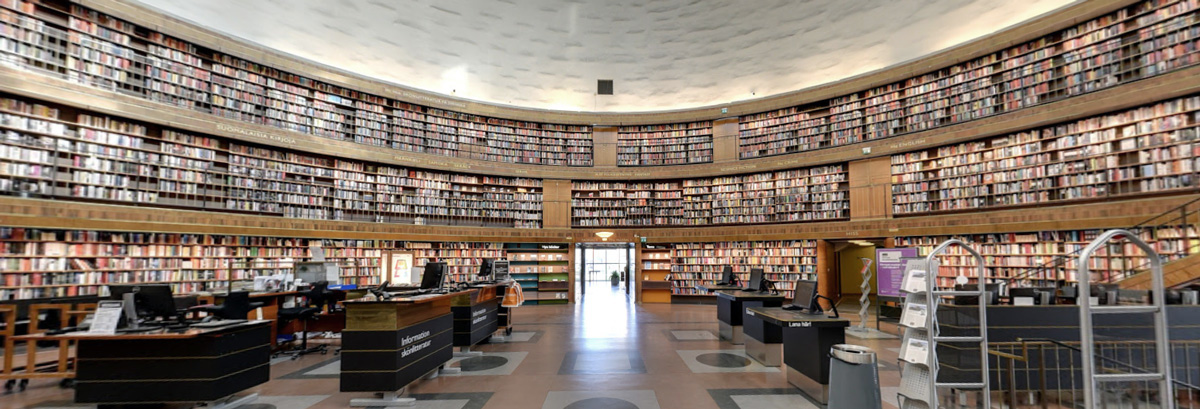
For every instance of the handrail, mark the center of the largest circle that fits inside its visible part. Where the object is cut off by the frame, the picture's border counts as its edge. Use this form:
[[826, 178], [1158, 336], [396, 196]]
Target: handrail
[[1062, 259], [1024, 342]]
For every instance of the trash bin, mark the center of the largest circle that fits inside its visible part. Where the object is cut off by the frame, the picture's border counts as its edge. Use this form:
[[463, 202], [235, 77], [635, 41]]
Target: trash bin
[[853, 378]]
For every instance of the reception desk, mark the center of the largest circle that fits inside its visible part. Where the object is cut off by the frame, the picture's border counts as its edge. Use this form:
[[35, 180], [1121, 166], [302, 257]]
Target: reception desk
[[389, 344], [731, 306], [163, 366], [476, 314], [806, 340]]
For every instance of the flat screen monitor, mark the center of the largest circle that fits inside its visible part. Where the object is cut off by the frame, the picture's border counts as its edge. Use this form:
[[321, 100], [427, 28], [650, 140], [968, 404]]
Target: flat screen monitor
[[756, 278], [500, 270], [727, 276], [314, 272], [805, 296], [149, 300], [1033, 295], [991, 290], [485, 269], [434, 273], [1102, 292]]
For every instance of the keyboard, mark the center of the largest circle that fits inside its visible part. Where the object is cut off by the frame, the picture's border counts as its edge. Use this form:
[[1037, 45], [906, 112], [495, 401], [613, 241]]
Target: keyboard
[[217, 324]]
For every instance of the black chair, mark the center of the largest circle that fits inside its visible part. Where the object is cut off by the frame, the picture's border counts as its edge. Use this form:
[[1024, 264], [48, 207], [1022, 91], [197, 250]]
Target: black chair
[[315, 300], [236, 306]]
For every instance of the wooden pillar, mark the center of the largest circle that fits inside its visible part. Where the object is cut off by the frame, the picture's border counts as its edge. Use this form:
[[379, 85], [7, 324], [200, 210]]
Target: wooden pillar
[[570, 273], [871, 189], [556, 204], [725, 140], [826, 276], [604, 146], [637, 272]]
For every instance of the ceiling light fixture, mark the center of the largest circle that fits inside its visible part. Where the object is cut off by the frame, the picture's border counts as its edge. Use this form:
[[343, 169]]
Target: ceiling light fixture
[[604, 235]]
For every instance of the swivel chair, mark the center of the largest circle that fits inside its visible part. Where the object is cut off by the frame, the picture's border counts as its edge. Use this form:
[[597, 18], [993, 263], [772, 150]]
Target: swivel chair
[[237, 306], [315, 300]]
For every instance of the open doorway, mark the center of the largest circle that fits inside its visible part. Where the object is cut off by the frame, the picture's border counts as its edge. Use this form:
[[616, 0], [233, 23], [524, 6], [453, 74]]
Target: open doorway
[[604, 272], [848, 264]]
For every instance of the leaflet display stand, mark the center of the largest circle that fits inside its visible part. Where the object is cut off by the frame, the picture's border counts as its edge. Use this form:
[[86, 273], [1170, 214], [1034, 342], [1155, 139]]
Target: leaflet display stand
[[918, 379]]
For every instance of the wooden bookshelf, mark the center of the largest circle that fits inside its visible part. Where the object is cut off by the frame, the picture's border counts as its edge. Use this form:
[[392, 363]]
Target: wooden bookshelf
[[797, 195], [1047, 258], [654, 271], [1147, 150], [58, 153], [543, 270], [91, 48], [783, 262], [1145, 39], [669, 144]]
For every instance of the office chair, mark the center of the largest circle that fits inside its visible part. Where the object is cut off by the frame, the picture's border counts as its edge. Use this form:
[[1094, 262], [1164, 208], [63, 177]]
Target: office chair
[[315, 300], [237, 306]]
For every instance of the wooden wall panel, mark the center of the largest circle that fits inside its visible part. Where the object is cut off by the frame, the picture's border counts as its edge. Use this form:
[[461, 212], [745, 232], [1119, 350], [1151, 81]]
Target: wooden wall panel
[[725, 140], [604, 145], [870, 188], [556, 204]]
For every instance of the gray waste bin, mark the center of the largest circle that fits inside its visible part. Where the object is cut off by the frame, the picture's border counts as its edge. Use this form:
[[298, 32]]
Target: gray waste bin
[[853, 378]]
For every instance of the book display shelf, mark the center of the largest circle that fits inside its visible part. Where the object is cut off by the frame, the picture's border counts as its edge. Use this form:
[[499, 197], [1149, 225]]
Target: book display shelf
[[81, 45], [783, 262], [1147, 150], [1047, 258], [672, 144], [1142, 40], [654, 270], [53, 152], [542, 269], [797, 195]]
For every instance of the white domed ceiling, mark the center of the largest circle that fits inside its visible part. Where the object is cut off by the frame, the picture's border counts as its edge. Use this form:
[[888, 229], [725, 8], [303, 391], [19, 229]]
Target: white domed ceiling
[[661, 54]]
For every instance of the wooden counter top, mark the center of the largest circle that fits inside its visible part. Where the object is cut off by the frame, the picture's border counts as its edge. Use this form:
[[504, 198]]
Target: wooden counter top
[[155, 334], [786, 318], [399, 312]]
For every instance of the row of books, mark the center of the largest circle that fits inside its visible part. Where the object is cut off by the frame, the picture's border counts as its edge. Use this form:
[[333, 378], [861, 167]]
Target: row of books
[[111, 159], [1009, 79], [182, 74], [1136, 151]]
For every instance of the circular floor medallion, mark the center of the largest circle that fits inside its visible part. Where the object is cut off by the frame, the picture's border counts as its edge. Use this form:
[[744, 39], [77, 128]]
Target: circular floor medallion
[[723, 360], [602, 403], [482, 363]]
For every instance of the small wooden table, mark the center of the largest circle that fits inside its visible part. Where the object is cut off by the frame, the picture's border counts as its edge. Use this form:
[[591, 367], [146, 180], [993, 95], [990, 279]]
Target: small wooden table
[[389, 344], [806, 340], [732, 304], [164, 366]]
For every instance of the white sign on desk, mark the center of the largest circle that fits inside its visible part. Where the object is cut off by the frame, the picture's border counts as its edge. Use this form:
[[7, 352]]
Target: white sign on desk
[[107, 318]]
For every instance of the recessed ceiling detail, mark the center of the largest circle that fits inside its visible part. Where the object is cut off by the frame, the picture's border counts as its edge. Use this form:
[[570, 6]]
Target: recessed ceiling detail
[[665, 55]]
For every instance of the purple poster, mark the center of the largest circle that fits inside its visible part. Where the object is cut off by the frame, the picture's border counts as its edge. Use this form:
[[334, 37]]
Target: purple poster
[[889, 269]]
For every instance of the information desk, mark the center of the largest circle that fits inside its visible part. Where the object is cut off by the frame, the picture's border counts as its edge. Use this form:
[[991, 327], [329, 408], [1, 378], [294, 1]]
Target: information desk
[[388, 344], [189, 366], [807, 340], [476, 314], [731, 306]]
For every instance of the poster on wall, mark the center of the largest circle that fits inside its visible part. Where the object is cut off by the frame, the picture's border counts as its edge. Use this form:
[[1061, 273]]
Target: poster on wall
[[398, 267], [889, 269]]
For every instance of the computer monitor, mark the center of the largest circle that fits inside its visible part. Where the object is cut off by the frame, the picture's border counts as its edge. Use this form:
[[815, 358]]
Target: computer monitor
[[149, 300], [434, 273], [992, 291], [756, 278], [315, 272], [485, 269], [1105, 294], [500, 270], [727, 276], [805, 296], [1033, 295]]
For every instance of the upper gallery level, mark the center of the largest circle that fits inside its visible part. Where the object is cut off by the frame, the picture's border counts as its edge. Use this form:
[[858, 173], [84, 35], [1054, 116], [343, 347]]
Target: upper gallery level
[[143, 55]]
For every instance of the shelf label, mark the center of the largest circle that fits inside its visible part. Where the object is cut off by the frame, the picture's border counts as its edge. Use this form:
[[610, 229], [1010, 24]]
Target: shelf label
[[256, 134]]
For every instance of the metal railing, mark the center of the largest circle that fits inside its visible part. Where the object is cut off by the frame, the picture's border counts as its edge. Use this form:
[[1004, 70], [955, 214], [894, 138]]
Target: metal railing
[[1047, 374]]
